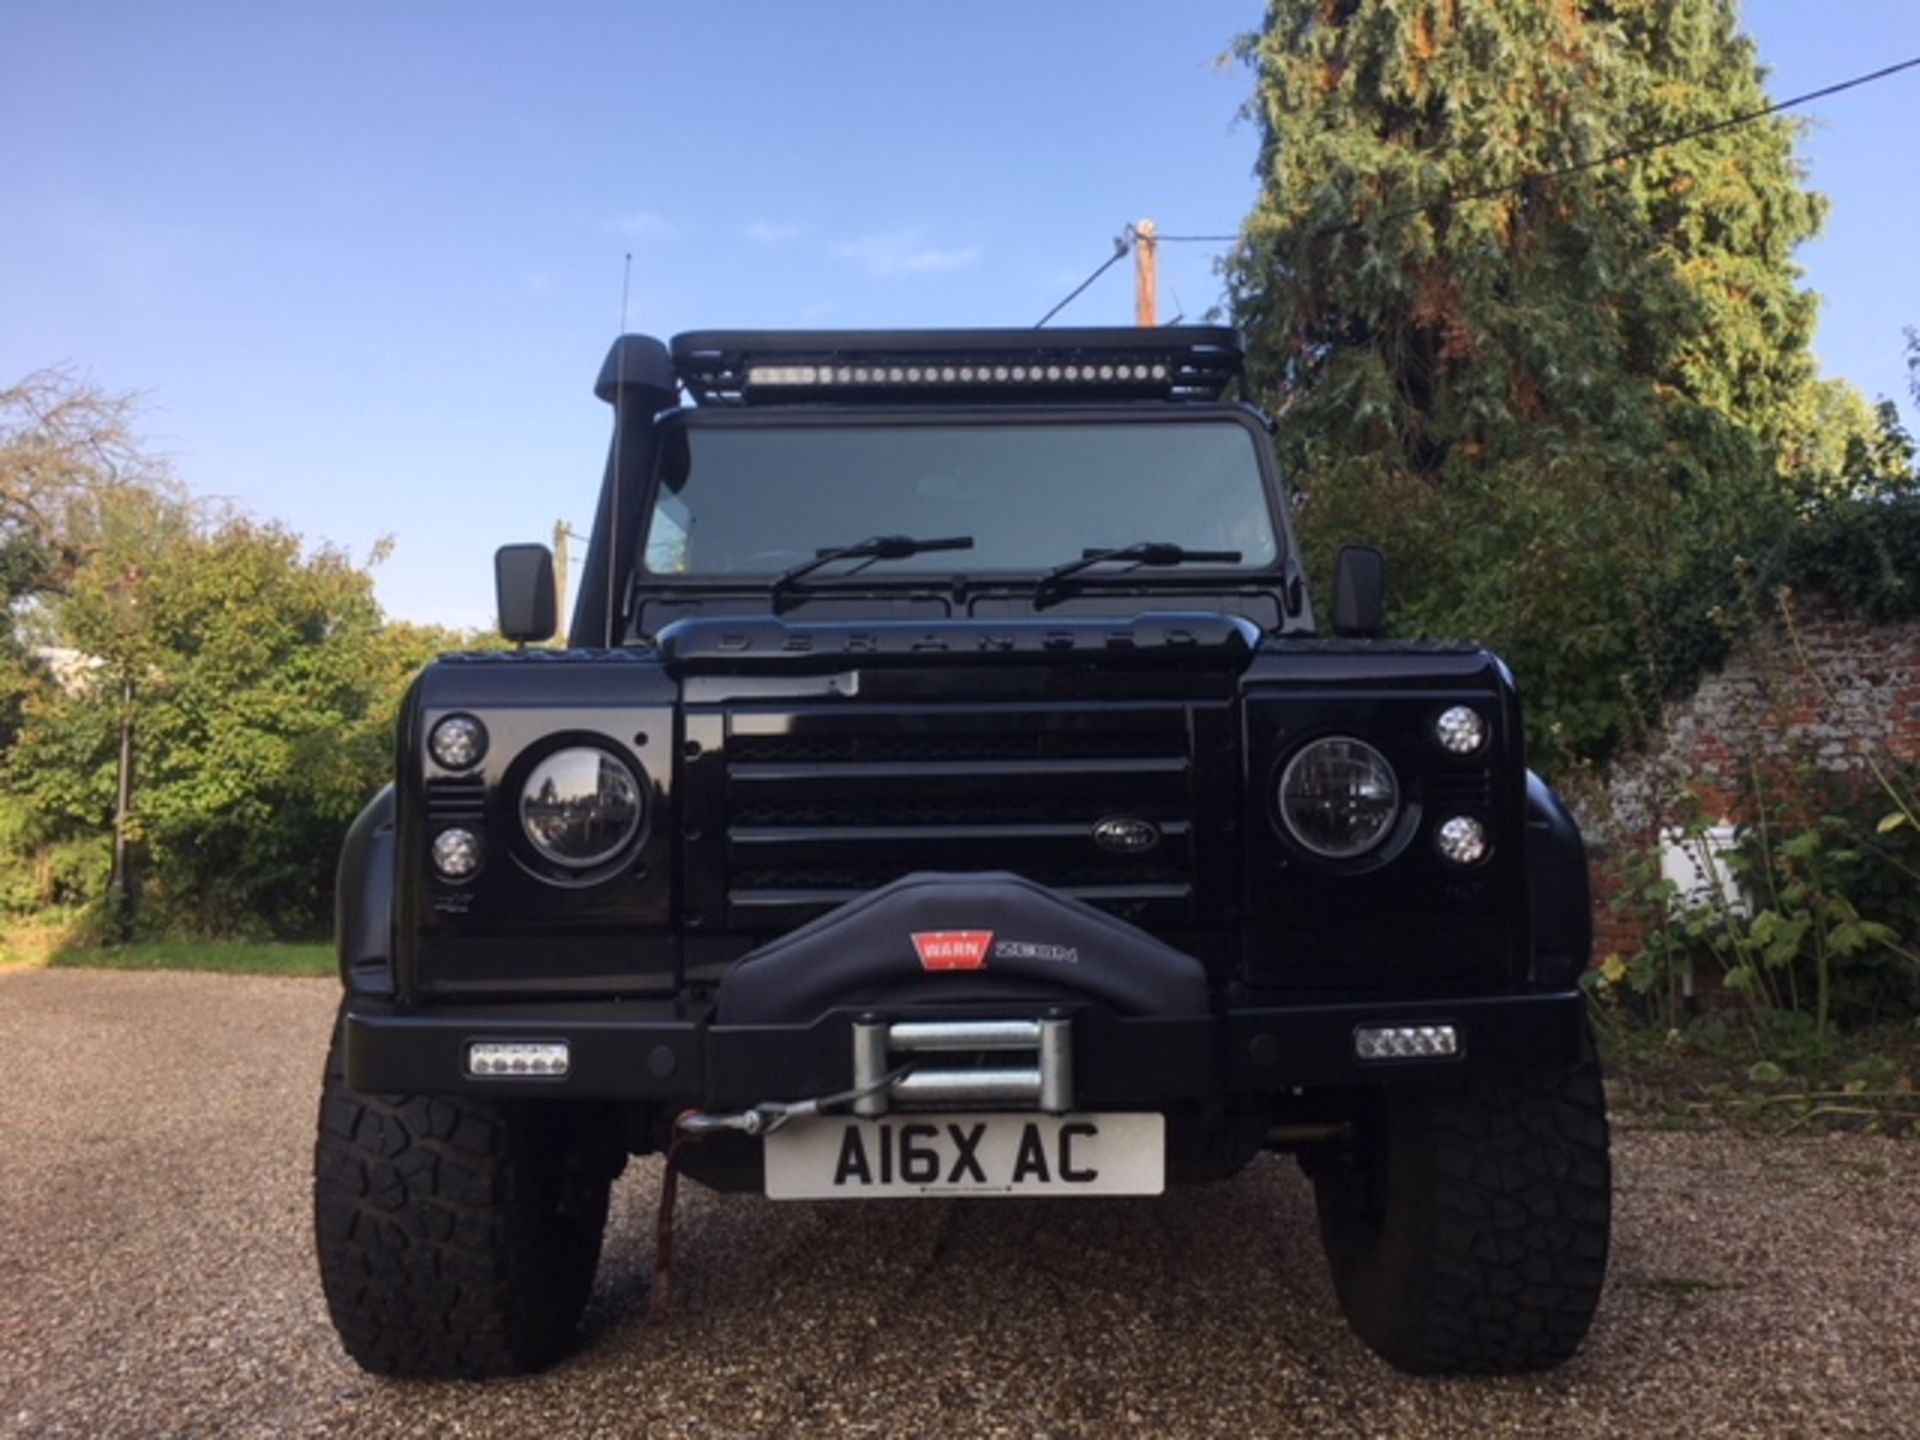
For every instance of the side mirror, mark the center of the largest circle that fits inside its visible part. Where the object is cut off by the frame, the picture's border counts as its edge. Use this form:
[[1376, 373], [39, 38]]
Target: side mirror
[[523, 592], [1360, 592]]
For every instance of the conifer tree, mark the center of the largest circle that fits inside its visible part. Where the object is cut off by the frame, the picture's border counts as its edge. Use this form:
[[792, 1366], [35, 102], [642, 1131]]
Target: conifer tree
[[1559, 400]]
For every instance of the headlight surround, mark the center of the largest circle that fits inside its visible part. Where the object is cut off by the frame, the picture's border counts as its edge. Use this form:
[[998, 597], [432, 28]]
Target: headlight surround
[[581, 807], [1339, 798]]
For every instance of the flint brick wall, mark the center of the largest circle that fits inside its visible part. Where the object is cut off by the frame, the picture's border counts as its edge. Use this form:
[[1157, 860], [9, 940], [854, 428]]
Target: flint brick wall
[[1857, 692]]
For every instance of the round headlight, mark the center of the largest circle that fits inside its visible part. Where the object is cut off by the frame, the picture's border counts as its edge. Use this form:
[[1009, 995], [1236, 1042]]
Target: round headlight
[[581, 807], [1461, 729], [1339, 798], [458, 742]]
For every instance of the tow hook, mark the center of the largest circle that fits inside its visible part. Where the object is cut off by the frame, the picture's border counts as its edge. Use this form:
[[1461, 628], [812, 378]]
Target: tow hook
[[762, 1119], [757, 1121]]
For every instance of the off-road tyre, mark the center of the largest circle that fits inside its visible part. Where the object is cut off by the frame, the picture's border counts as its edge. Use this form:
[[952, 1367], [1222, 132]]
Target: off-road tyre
[[456, 1238], [1467, 1230]]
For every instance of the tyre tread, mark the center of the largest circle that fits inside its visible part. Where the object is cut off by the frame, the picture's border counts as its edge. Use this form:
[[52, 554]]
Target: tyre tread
[[1494, 1258], [454, 1240]]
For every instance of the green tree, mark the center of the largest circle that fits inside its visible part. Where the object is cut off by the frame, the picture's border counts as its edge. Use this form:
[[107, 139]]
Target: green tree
[[256, 686], [251, 684], [1562, 403], [22, 572]]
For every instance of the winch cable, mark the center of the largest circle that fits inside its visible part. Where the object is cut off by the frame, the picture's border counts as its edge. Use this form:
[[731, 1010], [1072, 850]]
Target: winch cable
[[689, 1126]]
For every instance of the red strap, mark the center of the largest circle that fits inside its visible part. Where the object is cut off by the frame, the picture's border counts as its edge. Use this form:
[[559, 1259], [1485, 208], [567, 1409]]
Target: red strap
[[662, 1295]]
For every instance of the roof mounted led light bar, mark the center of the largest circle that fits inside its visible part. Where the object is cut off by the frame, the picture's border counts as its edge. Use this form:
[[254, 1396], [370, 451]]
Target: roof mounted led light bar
[[1105, 373], [957, 366]]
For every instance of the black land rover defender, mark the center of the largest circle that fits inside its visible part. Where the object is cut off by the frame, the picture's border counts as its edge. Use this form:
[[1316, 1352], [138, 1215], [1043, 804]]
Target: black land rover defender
[[947, 790]]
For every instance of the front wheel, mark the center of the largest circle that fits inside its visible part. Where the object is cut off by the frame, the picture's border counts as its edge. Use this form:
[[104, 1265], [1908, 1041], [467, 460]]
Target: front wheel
[[1468, 1229], [456, 1238]]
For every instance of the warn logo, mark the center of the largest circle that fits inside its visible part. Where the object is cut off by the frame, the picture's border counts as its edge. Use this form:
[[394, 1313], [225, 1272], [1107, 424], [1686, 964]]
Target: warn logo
[[952, 949]]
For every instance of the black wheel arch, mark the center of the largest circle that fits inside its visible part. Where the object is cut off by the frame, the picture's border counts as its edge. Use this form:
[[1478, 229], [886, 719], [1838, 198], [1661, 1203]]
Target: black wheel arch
[[363, 900], [1560, 892]]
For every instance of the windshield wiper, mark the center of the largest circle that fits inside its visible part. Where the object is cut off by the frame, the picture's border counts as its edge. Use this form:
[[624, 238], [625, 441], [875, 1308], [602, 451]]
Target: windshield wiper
[[874, 547], [1146, 552]]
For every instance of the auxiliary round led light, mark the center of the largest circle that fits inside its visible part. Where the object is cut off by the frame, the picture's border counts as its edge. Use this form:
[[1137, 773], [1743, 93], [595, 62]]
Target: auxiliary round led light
[[1462, 840], [581, 807], [458, 742], [456, 853], [1460, 729], [1339, 797]]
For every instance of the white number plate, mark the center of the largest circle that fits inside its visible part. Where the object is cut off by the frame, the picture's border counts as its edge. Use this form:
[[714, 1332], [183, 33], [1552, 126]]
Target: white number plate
[[830, 1158]]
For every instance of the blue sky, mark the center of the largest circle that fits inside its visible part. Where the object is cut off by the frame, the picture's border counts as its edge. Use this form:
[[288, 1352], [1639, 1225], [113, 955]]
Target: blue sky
[[363, 259]]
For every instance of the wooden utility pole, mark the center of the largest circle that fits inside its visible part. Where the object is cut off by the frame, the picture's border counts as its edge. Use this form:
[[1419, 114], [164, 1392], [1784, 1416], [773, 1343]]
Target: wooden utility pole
[[562, 532], [1145, 253]]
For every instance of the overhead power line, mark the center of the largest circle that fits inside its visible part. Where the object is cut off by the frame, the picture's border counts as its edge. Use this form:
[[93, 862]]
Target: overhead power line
[[1494, 192], [1647, 147]]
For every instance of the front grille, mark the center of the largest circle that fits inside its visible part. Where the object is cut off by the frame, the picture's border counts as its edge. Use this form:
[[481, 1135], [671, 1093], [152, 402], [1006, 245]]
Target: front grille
[[824, 805]]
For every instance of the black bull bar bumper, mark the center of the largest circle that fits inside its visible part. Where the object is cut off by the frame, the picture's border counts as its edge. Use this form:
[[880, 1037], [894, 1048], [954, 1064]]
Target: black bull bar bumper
[[660, 1054], [1143, 1031]]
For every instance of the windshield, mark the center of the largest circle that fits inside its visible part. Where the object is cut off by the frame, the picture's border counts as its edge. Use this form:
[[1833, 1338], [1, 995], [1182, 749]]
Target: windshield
[[758, 499]]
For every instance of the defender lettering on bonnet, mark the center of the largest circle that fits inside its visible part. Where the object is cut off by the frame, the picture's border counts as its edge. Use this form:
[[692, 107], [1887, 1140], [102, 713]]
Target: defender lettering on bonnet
[[952, 949]]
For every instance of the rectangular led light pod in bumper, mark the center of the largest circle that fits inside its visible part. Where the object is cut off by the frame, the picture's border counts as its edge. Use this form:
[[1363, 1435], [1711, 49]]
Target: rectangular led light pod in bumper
[[512, 1058], [1405, 1042]]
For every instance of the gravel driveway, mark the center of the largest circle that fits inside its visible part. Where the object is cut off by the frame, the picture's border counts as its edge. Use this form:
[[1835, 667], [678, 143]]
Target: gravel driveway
[[156, 1278]]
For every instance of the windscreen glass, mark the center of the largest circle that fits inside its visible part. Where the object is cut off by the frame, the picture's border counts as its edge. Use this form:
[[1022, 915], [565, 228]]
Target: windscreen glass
[[758, 499]]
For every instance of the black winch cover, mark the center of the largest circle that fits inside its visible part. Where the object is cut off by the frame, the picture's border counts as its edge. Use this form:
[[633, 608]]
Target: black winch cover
[[973, 938]]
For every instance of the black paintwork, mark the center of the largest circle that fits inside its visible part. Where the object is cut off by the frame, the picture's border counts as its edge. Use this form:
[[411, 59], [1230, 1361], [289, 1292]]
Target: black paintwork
[[794, 763], [518, 926], [363, 898], [793, 767], [669, 1054], [1561, 889]]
